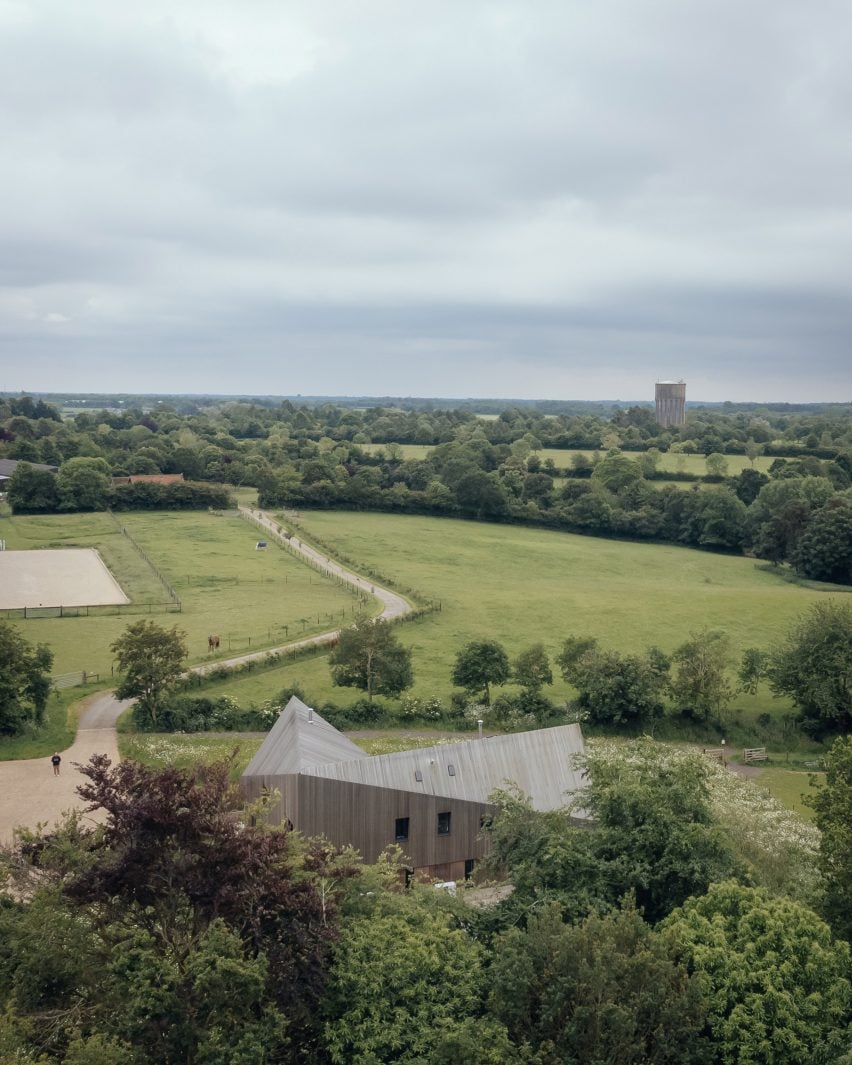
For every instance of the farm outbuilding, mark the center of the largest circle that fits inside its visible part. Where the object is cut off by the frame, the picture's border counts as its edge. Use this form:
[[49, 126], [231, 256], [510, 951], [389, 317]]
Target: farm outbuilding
[[432, 801]]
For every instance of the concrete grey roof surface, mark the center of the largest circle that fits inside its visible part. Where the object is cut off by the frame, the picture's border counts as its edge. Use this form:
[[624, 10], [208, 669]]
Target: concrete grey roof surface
[[540, 763], [8, 466], [299, 740]]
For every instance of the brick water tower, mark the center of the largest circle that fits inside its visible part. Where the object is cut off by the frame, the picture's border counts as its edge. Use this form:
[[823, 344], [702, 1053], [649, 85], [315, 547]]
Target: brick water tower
[[670, 397]]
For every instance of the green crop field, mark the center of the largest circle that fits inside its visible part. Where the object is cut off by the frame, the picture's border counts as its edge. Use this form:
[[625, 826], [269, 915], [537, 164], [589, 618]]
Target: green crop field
[[522, 585], [251, 599]]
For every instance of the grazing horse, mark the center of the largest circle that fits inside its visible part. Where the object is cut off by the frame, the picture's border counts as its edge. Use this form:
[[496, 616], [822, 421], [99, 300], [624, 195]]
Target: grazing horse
[[212, 644]]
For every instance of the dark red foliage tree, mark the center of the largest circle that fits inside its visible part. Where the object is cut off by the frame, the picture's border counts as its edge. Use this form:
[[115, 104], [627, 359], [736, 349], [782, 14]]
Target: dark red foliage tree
[[173, 849]]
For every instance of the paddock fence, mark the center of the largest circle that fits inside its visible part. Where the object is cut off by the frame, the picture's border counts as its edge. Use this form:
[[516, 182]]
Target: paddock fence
[[32, 613], [74, 680], [173, 596]]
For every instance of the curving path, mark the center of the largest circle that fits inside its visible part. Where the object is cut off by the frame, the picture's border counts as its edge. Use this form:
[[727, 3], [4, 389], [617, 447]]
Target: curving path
[[29, 792]]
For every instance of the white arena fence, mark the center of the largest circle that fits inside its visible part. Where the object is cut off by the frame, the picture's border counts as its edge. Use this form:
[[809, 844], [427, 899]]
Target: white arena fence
[[27, 613]]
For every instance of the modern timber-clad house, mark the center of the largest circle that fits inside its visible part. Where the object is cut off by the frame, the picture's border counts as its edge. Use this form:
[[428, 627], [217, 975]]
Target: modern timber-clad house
[[431, 801]]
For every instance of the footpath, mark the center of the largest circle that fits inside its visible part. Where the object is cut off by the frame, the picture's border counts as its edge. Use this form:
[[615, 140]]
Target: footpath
[[31, 795]]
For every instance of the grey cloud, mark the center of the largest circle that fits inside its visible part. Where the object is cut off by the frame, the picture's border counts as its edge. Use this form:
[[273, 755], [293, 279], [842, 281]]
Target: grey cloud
[[544, 196]]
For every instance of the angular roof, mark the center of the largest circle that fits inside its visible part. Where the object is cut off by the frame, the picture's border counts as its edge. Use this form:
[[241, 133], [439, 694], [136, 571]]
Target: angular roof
[[540, 763], [8, 466], [299, 740]]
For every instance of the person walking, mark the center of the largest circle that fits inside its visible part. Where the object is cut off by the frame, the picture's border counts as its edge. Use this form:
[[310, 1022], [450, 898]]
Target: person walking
[[54, 761]]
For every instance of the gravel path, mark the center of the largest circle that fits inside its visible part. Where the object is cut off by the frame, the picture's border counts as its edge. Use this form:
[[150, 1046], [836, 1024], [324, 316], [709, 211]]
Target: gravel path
[[29, 792]]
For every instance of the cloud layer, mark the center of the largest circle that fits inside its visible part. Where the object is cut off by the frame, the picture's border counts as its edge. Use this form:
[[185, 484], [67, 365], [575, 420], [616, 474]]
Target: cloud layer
[[517, 199]]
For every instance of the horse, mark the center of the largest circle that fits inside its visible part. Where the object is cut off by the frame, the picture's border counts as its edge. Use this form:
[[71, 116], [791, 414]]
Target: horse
[[212, 644]]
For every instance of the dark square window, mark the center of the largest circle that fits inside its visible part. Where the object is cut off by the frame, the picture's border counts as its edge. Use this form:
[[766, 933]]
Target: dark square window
[[444, 823], [401, 829]]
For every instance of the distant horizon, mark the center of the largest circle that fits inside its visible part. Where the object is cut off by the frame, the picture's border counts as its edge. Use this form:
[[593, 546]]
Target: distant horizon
[[424, 398]]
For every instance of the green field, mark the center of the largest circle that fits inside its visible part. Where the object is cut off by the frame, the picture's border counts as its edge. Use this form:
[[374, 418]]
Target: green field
[[251, 599], [790, 787], [669, 462], [522, 585], [408, 451]]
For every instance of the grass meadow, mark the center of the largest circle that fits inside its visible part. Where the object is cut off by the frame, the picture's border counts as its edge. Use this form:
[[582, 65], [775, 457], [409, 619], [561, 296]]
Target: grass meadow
[[250, 598], [522, 585], [180, 751], [669, 463]]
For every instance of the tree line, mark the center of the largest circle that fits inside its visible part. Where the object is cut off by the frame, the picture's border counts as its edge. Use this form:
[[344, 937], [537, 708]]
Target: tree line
[[184, 930], [799, 514]]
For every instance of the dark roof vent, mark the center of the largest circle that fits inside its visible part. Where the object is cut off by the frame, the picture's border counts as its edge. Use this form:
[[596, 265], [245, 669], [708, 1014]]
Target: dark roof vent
[[451, 770], [418, 775]]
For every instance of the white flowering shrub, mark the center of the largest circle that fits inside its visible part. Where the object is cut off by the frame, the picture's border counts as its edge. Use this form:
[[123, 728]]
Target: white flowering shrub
[[777, 843], [422, 709]]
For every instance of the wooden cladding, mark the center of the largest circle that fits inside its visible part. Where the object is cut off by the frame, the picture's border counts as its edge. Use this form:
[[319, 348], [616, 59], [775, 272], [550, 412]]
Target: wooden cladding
[[368, 818]]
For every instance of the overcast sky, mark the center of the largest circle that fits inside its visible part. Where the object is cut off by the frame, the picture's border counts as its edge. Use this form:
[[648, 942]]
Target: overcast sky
[[530, 199]]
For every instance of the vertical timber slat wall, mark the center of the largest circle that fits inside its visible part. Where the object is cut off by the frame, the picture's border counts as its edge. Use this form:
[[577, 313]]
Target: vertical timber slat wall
[[365, 817]]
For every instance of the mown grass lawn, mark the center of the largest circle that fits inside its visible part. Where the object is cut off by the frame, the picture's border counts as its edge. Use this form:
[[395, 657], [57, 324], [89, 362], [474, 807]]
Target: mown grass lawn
[[790, 787], [522, 585], [250, 598]]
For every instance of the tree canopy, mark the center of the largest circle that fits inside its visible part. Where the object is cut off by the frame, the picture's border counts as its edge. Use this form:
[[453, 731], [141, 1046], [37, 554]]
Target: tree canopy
[[479, 664], [814, 668], [778, 986], [369, 657], [150, 659], [24, 680]]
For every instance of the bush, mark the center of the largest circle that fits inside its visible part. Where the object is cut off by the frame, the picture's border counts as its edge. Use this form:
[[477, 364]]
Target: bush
[[186, 713]]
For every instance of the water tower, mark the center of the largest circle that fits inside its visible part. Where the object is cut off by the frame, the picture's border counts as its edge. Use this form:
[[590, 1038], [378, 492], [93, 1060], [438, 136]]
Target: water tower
[[670, 397]]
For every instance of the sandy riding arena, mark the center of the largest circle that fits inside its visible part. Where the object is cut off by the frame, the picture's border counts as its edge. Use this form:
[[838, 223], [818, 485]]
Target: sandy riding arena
[[64, 577]]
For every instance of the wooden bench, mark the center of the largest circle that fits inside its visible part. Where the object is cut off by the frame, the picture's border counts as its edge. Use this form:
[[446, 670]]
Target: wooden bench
[[755, 754]]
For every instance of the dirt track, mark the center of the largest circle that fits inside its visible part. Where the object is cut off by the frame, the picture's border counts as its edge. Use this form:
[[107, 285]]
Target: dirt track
[[29, 792]]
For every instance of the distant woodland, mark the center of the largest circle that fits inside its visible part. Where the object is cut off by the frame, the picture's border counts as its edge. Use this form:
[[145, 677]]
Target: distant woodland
[[623, 476]]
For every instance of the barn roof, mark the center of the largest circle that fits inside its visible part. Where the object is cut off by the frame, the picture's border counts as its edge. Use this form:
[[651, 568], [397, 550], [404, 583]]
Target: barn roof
[[299, 740], [8, 466], [540, 763]]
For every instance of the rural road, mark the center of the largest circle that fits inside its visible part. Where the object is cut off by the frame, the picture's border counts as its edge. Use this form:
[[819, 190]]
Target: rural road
[[29, 792]]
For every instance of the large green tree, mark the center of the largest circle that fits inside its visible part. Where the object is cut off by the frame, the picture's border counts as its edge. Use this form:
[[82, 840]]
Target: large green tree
[[654, 835], [613, 688], [83, 484], [399, 980], [369, 656], [24, 680], [778, 986], [150, 659], [607, 990], [32, 490], [175, 931], [479, 664], [531, 669], [814, 668], [700, 686], [833, 806], [824, 550]]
